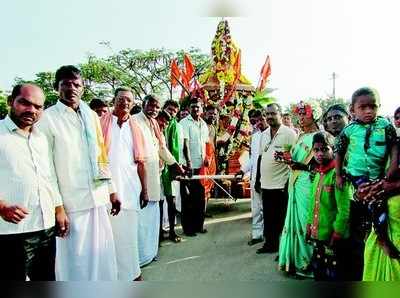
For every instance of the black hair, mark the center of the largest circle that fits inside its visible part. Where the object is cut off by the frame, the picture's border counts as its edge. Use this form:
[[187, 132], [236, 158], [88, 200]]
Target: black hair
[[195, 100], [171, 102], [325, 138], [150, 97], [16, 91], [164, 114], [97, 103], [364, 91], [256, 113], [122, 88], [66, 72], [211, 107], [396, 111], [277, 105], [251, 113], [286, 114]]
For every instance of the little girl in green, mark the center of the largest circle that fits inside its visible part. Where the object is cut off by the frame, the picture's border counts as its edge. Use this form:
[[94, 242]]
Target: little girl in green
[[328, 217]]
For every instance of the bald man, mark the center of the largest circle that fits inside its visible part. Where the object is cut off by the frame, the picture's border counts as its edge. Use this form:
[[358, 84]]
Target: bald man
[[29, 196]]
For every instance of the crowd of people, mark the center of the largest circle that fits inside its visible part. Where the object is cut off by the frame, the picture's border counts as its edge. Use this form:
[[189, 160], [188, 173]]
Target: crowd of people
[[86, 190]]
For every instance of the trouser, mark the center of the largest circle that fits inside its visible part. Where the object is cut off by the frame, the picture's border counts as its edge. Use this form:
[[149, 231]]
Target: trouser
[[359, 230], [274, 210], [28, 254], [257, 225], [193, 205], [171, 214]]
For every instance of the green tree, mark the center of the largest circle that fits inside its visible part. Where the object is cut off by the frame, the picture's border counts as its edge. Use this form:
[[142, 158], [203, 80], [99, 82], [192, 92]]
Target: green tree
[[145, 71], [3, 105]]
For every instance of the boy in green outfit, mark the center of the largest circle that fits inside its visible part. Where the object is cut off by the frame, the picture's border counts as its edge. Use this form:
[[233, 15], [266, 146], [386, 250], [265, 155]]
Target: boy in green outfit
[[368, 143], [328, 217]]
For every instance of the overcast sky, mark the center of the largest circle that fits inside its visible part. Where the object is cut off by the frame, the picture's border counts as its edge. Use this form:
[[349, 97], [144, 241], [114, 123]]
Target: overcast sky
[[307, 40]]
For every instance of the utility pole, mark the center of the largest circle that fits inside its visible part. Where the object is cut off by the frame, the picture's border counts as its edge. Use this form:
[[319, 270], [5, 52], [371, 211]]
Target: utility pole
[[333, 78]]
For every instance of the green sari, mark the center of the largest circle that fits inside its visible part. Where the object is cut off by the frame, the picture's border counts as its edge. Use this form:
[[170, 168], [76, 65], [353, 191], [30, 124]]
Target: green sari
[[377, 265], [294, 252]]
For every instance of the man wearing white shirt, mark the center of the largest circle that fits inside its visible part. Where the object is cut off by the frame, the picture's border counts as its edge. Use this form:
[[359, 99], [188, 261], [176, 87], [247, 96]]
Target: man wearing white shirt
[[156, 150], [76, 143], [128, 173], [259, 123], [272, 176], [29, 194], [195, 133]]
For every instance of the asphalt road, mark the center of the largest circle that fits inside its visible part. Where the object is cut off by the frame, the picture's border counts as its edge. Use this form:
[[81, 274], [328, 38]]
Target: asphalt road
[[220, 255]]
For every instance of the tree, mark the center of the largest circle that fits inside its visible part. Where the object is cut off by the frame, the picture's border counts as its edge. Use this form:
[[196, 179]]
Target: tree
[[3, 105], [145, 71]]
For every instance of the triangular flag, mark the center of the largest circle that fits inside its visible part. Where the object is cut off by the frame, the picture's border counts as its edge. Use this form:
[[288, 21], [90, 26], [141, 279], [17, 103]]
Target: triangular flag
[[189, 68], [175, 73], [264, 74]]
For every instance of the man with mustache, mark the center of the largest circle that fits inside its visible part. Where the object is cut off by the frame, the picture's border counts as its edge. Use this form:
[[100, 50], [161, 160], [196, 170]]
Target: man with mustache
[[29, 193], [156, 152], [73, 130], [272, 176]]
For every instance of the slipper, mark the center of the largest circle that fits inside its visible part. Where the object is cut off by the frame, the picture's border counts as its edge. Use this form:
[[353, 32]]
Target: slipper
[[175, 238]]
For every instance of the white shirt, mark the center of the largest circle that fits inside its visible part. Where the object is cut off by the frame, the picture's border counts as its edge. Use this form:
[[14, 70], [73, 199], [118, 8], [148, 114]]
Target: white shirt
[[153, 152], [123, 167], [27, 178], [274, 174], [68, 143], [196, 132], [251, 165]]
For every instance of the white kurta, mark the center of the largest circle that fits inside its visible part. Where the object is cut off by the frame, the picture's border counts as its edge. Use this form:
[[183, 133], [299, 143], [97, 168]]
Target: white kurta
[[125, 226], [88, 252]]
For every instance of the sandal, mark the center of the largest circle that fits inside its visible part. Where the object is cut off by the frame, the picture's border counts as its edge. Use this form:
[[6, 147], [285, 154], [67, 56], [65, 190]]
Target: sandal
[[175, 238]]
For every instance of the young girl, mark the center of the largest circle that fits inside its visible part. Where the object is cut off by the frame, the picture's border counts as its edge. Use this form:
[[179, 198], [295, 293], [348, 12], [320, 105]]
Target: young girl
[[328, 217]]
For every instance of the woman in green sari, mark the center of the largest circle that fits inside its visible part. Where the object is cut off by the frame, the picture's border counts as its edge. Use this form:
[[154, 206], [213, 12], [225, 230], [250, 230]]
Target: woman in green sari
[[294, 251], [380, 264]]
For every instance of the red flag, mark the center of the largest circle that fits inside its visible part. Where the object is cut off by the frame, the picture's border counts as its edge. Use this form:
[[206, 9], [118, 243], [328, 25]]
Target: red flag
[[264, 74], [189, 69], [175, 73]]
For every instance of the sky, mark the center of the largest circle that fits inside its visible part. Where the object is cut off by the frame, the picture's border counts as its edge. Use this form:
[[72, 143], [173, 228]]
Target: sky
[[307, 40]]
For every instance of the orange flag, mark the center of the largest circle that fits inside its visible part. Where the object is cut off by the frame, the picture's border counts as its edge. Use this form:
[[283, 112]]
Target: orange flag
[[237, 67], [175, 73], [189, 69], [265, 73]]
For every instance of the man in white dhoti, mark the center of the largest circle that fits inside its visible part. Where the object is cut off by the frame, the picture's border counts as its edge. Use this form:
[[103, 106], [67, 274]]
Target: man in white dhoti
[[259, 124], [155, 148], [124, 144], [76, 143]]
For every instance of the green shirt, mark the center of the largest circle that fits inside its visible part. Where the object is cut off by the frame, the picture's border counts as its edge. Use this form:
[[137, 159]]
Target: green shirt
[[330, 207], [366, 147], [172, 138]]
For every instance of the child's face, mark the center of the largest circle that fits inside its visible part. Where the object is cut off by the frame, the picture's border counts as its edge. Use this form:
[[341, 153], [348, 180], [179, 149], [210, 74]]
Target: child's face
[[397, 120], [365, 108], [323, 153]]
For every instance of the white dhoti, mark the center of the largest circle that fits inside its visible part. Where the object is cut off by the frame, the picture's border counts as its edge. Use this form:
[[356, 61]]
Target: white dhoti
[[177, 191], [88, 252], [257, 226], [149, 230], [125, 228]]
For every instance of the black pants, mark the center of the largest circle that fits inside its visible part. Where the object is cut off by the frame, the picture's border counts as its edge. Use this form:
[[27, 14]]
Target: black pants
[[171, 214], [28, 254], [274, 209], [359, 229], [193, 205]]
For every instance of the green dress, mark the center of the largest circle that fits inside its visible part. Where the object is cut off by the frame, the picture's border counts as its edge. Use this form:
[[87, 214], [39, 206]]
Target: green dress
[[294, 252], [379, 266]]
